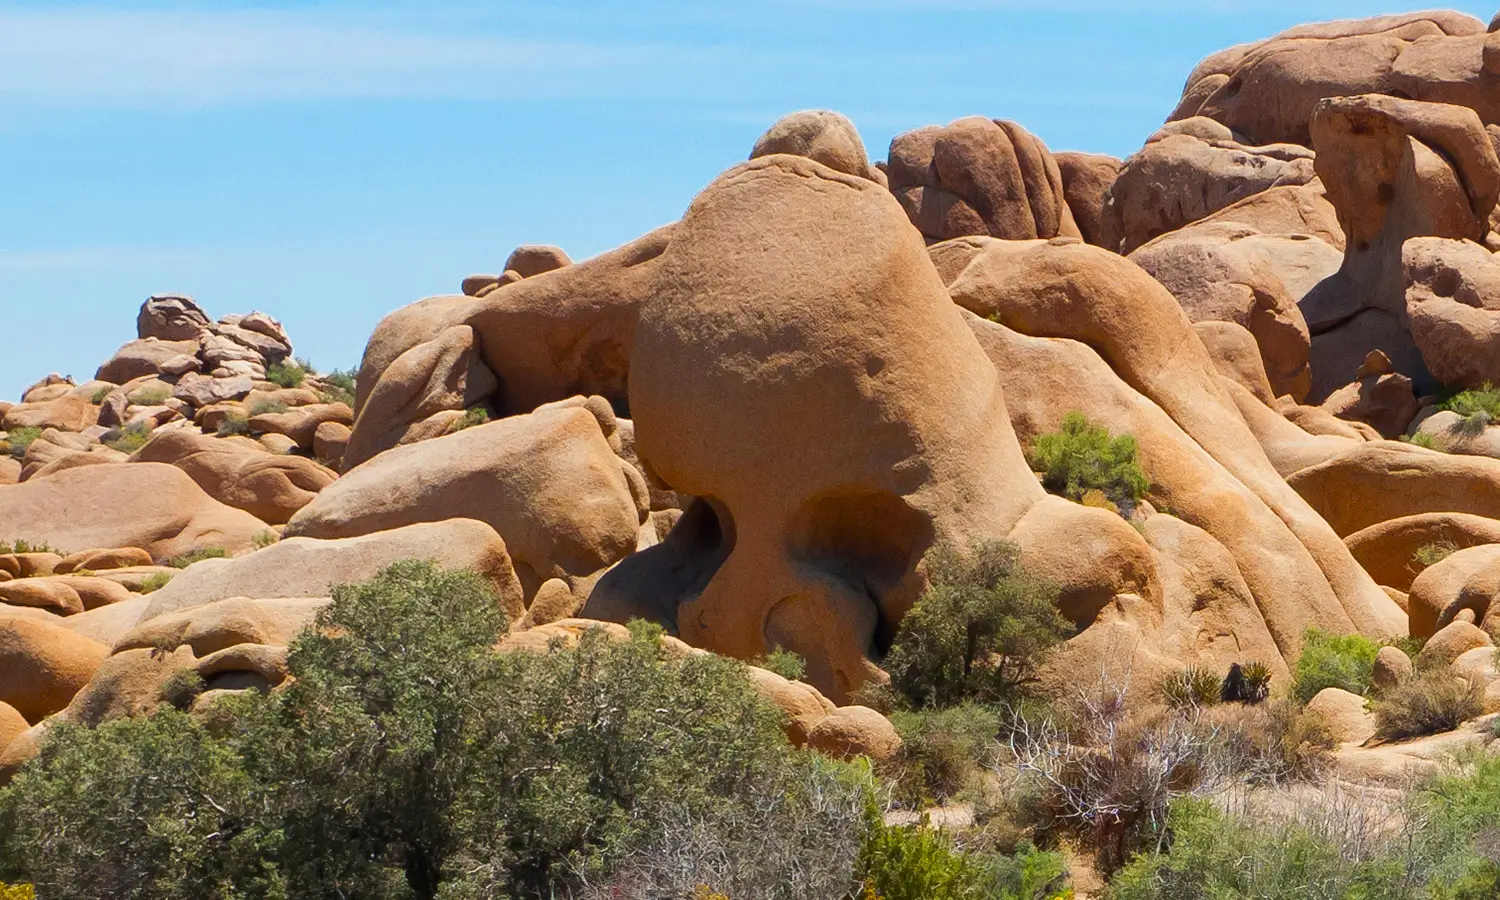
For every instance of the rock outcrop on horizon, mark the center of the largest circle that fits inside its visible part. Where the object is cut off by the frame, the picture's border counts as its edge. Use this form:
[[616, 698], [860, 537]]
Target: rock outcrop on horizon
[[751, 426]]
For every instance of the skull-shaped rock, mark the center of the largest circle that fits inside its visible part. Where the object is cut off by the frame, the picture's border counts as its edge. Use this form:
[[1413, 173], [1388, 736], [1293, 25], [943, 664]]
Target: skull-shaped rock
[[802, 373]]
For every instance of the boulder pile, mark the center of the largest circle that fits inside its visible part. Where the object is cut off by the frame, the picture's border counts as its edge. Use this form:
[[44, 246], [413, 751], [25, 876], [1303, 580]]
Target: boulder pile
[[750, 426]]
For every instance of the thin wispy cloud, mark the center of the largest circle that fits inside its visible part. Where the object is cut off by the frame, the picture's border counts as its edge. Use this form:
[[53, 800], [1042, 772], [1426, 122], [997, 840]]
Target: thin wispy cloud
[[101, 57]]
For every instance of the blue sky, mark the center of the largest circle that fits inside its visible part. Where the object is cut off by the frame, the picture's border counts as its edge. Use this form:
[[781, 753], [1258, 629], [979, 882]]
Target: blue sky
[[329, 162]]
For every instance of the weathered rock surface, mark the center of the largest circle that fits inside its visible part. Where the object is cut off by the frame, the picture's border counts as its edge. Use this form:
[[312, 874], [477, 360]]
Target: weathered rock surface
[[548, 481], [270, 487], [978, 176], [155, 507]]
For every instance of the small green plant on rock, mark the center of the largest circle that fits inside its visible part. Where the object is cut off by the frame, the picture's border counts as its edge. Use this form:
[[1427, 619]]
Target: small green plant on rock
[[155, 582], [100, 395], [129, 439], [471, 417], [198, 554], [1429, 555], [232, 425], [784, 663], [266, 407], [21, 438], [1084, 457], [265, 539], [21, 546], [286, 373], [1421, 439], [154, 396]]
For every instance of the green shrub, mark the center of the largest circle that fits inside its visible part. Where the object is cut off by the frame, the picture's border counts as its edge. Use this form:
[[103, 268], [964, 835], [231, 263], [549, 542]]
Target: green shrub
[[339, 387], [943, 751], [406, 759], [784, 663], [154, 396], [265, 539], [471, 417], [1083, 457], [918, 863], [197, 554], [1193, 686], [20, 546], [286, 373], [232, 425], [155, 582], [979, 632], [1431, 554], [265, 407], [21, 438], [100, 395], [138, 809], [181, 688], [1421, 439], [1333, 660], [1431, 703], [1485, 400], [128, 439]]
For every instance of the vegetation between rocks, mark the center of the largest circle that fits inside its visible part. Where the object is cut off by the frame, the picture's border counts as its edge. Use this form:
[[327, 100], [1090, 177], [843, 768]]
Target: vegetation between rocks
[[1431, 703], [286, 373], [21, 438], [197, 554], [1083, 457]]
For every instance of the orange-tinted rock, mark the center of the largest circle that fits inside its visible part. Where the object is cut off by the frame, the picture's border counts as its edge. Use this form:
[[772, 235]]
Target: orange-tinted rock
[[851, 731], [1383, 480], [270, 487], [42, 666], [143, 357], [94, 560], [155, 507], [1181, 178], [821, 135], [1453, 303], [1388, 549], [977, 176], [548, 481], [1086, 180], [1467, 582]]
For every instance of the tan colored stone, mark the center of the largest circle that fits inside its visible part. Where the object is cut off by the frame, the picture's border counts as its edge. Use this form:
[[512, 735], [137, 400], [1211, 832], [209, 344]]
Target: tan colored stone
[[1345, 714], [1383, 480], [817, 134], [1393, 668], [94, 560], [43, 665], [1450, 642], [272, 488], [152, 506], [1388, 549], [303, 567], [143, 357], [852, 731], [1466, 583], [549, 481]]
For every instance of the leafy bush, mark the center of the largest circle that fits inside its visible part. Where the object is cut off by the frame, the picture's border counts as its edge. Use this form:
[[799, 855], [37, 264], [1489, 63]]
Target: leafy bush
[[128, 439], [98, 399], [21, 438], [406, 759], [1193, 686], [155, 582], [151, 808], [1434, 553], [232, 425], [943, 751], [784, 663], [1084, 457], [339, 386], [471, 417], [979, 632], [181, 689], [197, 554], [19, 546], [1344, 661], [1467, 403], [265, 539], [1421, 439], [905, 863], [286, 373], [265, 407], [1431, 703], [154, 396]]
